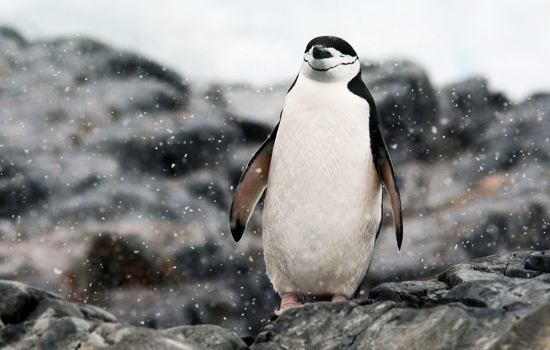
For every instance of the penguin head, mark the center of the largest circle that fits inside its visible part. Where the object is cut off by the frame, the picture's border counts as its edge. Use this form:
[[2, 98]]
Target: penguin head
[[330, 59]]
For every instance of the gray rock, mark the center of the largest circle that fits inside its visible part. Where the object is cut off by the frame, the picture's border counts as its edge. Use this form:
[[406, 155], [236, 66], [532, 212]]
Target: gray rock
[[209, 336], [32, 318], [132, 166], [496, 302], [522, 265], [518, 136], [385, 325], [491, 303], [412, 293], [531, 332], [62, 333], [128, 338]]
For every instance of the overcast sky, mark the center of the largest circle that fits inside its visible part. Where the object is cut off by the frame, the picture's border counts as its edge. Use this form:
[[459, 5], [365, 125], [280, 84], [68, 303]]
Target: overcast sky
[[262, 42]]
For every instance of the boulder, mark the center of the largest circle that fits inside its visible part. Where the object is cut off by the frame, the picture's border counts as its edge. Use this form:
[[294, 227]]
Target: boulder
[[407, 106], [467, 108]]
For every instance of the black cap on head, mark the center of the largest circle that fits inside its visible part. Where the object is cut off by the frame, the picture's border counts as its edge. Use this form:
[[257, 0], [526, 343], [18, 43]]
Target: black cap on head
[[332, 41]]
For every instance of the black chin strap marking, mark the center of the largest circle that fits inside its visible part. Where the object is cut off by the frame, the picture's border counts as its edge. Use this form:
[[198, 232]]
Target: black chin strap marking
[[339, 64]]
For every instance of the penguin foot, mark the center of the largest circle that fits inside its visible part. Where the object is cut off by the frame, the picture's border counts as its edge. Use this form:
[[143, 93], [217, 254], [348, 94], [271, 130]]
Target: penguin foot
[[290, 300], [336, 298]]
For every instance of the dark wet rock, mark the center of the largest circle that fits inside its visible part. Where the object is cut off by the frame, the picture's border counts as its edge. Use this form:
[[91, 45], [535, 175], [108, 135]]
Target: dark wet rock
[[467, 108], [112, 262], [407, 106], [18, 190], [538, 262], [520, 136], [17, 302], [21, 303], [413, 293]]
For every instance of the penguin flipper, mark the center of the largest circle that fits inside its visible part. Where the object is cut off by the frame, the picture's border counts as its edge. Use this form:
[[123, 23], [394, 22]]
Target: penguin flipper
[[385, 169], [251, 186]]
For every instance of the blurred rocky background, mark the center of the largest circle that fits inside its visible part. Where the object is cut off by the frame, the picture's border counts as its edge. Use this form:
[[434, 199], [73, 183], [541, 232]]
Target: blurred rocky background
[[116, 176]]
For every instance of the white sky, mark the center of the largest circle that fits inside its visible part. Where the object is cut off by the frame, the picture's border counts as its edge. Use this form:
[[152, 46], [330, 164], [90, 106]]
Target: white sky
[[262, 42]]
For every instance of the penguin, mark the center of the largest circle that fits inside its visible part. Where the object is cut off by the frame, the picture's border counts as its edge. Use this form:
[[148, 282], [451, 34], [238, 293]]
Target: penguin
[[322, 168]]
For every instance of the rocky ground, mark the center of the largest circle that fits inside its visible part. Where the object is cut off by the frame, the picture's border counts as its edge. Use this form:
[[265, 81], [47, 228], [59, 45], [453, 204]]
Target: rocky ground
[[35, 319], [116, 176], [497, 302]]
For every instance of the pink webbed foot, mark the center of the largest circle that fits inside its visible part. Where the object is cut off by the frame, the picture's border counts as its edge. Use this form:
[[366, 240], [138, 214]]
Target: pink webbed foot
[[336, 298], [290, 300]]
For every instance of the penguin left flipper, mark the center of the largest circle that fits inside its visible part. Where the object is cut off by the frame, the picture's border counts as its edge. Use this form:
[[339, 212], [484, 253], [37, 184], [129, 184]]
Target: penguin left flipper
[[251, 186], [385, 168], [381, 156]]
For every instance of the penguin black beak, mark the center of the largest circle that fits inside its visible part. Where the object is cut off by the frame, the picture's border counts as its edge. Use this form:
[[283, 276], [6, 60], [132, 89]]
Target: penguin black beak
[[320, 52]]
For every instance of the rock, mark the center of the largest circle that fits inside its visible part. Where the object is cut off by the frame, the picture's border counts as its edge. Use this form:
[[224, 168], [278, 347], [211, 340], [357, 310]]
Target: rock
[[523, 265], [519, 135], [467, 108], [495, 302], [407, 106], [17, 302], [116, 172], [209, 336], [531, 332], [32, 318], [490, 303], [381, 325], [18, 190], [179, 287], [413, 293]]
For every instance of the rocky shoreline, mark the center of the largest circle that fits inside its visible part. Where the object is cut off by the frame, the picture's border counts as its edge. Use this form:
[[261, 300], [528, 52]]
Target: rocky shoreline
[[116, 177], [497, 302]]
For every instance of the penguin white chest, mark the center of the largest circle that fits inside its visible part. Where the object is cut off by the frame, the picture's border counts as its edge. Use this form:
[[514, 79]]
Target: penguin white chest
[[323, 202]]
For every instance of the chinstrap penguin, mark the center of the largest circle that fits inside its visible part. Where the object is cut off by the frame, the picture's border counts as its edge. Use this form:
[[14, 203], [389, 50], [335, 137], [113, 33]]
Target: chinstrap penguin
[[323, 166]]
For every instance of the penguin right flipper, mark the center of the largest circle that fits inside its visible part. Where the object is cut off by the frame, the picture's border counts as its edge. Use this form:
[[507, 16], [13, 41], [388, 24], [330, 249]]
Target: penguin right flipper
[[387, 174], [251, 186], [381, 156]]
